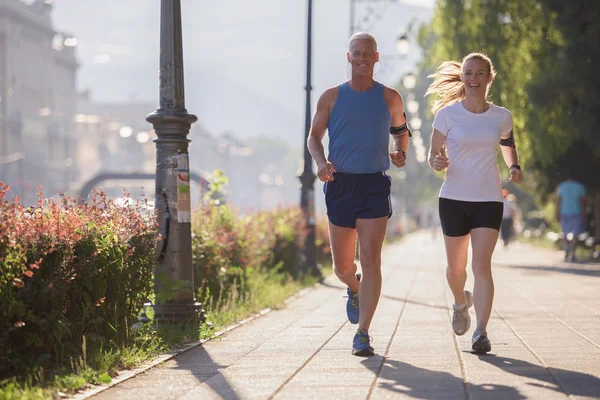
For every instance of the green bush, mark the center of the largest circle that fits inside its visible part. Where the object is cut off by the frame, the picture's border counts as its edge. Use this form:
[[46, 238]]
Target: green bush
[[69, 270], [227, 246]]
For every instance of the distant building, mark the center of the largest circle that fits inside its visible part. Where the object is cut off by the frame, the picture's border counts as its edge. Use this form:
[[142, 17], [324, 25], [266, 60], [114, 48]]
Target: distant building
[[112, 137], [115, 137], [38, 95]]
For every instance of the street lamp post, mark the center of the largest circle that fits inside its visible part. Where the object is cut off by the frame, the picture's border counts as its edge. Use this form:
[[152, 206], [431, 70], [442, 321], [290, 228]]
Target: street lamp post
[[307, 261], [173, 274]]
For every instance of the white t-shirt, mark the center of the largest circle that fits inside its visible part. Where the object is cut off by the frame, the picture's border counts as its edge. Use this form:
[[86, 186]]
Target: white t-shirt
[[472, 142]]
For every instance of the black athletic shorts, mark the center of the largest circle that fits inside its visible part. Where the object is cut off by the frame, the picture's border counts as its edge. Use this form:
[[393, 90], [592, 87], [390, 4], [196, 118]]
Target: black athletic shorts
[[459, 217]]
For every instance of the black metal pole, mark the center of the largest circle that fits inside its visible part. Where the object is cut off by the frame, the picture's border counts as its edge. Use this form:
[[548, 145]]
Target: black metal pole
[[352, 12], [308, 253], [173, 274]]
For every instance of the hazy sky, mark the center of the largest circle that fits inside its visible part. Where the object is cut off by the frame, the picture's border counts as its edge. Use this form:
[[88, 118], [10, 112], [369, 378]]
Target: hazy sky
[[245, 61]]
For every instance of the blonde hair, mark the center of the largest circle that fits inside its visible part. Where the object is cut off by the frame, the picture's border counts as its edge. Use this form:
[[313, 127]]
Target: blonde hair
[[362, 35], [448, 83]]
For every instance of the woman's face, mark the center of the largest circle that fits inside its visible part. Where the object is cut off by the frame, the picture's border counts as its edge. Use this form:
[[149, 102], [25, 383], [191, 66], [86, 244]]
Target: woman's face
[[476, 77]]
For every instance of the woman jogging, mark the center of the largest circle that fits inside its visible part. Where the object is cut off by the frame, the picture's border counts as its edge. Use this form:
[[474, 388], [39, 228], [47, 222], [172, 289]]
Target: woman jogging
[[470, 128]]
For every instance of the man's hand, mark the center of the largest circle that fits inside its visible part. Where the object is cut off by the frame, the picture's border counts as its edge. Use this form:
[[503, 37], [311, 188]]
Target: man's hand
[[325, 172], [516, 175], [398, 158]]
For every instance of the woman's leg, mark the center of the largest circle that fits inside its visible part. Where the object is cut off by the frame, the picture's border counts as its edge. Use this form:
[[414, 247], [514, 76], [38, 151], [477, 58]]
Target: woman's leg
[[456, 273], [483, 242]]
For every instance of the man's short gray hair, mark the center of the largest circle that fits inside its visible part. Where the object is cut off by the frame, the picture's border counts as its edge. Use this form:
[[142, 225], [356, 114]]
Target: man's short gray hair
[[362, 35]]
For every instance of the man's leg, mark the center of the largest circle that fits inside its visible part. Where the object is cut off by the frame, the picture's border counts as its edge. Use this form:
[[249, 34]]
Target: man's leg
[[371, 233], [342, 250]]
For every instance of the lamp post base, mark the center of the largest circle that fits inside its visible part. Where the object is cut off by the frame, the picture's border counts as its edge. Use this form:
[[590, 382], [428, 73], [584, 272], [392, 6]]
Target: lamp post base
[[176, 312]]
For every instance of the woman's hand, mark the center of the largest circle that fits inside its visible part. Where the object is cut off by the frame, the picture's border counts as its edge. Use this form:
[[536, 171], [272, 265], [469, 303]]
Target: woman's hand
[[516, 175], [439, 161]]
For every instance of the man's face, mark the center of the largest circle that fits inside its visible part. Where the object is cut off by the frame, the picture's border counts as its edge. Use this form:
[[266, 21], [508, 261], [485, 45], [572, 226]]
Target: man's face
[[362, 56]]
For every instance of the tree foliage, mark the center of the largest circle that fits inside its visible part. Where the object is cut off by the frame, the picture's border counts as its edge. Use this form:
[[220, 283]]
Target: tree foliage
[[544, 53]]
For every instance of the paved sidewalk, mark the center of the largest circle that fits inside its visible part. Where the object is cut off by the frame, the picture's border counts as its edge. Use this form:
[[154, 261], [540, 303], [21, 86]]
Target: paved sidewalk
[[545, 334]]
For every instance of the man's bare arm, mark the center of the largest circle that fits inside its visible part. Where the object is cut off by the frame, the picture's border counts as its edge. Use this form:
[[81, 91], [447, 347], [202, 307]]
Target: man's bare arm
[[319, 127], [396, 106], [317, 132]]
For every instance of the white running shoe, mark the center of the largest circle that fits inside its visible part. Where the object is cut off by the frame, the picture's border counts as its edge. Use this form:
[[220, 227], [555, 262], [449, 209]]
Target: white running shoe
[[461, 321]]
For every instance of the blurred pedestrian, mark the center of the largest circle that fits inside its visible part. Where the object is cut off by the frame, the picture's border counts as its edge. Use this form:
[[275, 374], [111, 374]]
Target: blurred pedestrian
[[509, 214], [570, 211]]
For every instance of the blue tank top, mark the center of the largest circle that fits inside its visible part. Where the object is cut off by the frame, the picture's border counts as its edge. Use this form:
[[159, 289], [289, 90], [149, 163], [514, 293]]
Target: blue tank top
[[359, 131]]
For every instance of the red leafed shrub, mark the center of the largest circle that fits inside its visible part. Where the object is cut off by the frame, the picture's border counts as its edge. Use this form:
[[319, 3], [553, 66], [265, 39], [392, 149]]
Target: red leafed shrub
[[69, 269]]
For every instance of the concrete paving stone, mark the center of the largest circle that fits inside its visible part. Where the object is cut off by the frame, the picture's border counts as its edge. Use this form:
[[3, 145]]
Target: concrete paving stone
[[218, 388], [394, 392], [331, 392], [420, 379], [325, 356], [325, 377], [242, 386], [494, 392], [207, 393], [342, 367], [260, 371], [251, 360], [277, 354], [145, 387], [196, 371]]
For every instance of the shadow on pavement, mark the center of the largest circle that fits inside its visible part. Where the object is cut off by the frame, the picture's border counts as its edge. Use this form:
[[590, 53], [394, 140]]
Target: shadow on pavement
[[581, 270], [201, 365], [577, 383], [419, 383]]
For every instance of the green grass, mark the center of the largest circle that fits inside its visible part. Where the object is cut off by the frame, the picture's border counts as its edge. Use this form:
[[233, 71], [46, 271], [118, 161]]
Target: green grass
[[99, 362]]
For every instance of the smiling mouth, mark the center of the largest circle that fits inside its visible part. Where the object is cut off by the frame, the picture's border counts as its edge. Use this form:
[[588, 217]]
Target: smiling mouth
[[473, 86]]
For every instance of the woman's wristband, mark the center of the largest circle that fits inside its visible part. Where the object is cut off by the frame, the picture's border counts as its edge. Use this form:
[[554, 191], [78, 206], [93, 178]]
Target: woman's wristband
[[517, 166]]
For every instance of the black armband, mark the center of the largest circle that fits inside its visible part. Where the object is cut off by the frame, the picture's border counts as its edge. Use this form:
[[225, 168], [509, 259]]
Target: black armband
[[510, 142], [399, 130]]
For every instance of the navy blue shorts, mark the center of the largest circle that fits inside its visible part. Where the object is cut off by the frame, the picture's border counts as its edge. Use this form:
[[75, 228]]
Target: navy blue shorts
[[352, 196]]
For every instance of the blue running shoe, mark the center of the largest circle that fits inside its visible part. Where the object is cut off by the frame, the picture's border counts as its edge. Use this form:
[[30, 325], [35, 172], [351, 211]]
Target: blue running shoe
[[352, 309], [361, 345]]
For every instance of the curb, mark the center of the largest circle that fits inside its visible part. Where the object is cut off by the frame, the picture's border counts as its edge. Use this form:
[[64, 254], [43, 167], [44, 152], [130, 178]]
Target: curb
[[128, 374]]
